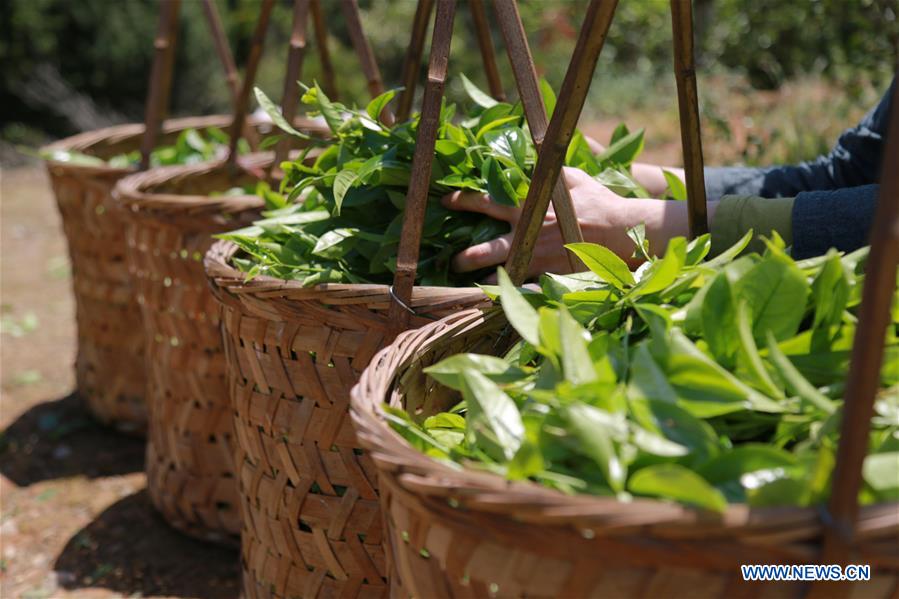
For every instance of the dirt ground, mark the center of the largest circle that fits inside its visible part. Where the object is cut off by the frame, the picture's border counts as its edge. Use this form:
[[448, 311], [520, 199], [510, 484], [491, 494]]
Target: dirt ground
[[75, 520]]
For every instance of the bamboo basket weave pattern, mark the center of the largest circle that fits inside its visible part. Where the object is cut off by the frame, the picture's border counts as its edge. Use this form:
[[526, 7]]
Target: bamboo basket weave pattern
[[109, 367], [170, 219], [467, 533], [311, 523]]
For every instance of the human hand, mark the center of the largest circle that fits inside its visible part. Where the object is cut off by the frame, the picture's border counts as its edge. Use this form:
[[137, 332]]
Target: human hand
[[604, 217]]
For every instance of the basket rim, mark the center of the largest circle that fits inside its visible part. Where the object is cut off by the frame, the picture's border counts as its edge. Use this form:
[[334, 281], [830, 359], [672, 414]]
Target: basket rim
[[533, 503], [134, 192], [82, 142], [226, 278]]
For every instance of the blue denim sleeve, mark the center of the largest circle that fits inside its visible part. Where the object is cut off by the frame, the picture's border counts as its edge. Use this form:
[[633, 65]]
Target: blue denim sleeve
[[839, 218], [854, 161]]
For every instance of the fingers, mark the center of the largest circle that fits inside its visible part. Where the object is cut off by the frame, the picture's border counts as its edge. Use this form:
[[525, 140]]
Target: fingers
[[575, 177], [594, 145], [472, 201], [483, 255]]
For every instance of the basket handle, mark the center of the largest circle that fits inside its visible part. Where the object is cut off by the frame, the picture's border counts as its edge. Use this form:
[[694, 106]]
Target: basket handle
[[488, 53], [551, 155], [295, 55], [241, 107], [688, 110], [222, 48], [160, 77], [324, 54], [519, 51], [867, 354], [363, 49], [297, 52], [425, 142], [417, 196], [412, 59]]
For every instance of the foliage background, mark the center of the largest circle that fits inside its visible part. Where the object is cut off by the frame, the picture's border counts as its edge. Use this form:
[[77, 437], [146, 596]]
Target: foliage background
[[68, 66]]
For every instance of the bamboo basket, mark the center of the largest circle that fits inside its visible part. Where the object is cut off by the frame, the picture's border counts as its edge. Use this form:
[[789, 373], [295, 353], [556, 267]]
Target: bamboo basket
[[109, 367], [309, 495], [456, 532], [170, 217]]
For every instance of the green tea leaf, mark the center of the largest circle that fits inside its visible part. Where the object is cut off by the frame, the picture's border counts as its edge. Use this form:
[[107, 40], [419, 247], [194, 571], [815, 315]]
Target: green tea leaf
[[493, 416], [749, 356], [377, 106], [637, 234], [595, 429], [764, 288], [604, 263], [677, 190], [342, 183], [520, 313], [623, 151], [671, 481], [796, 383], [742, 460], [576, 361], [476, 95], [881, 473], [274, 113], [449, 370], [549, 97]]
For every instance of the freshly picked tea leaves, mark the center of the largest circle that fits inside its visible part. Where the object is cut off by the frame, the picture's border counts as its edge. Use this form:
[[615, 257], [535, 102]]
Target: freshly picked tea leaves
[[338, 218], [700, 382], [191, 147]]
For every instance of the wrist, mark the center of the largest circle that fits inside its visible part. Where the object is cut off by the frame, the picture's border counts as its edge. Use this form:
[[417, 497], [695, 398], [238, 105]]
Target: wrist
[[662, 220]]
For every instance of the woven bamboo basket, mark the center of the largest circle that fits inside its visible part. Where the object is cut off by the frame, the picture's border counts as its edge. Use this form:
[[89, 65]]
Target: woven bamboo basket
[[309, 495], [456, 532], [170, 218], [109, 367]]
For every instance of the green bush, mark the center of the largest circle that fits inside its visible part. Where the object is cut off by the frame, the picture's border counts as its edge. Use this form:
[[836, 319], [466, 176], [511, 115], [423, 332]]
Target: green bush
[[60, 58]]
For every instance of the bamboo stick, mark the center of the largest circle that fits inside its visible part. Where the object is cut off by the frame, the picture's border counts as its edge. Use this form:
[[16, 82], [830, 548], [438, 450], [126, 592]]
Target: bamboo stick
[[535, 111], [295, 55], [412, 60], [863, 381], [417, 196], [222, 48], [243, 101], [220, 40], [160, 77], [324, 54], [488, 53], [561, 129], [364, 51], [688, 107]]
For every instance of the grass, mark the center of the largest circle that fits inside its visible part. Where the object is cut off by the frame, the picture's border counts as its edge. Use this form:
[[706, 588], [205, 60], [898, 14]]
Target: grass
[[740, 125]]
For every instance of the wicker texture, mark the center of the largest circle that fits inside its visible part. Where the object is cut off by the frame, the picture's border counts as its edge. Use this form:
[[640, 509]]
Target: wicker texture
[[311, 522], [109, 367], [463, 533], [170, 219]]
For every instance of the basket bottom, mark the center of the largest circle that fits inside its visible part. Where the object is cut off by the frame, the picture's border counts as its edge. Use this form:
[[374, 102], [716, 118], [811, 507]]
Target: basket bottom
[[112, 383], [198, 506]]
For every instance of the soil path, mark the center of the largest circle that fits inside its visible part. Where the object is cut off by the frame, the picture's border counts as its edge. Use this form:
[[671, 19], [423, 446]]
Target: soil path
[[74, 516]]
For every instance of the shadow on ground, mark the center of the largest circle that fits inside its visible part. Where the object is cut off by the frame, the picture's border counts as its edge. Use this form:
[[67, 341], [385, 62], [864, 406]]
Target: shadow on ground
[[59, 439], [129, 549]]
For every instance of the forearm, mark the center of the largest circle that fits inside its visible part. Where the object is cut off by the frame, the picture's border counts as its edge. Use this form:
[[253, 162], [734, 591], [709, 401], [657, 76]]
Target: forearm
[[651, 177], [663, 220]]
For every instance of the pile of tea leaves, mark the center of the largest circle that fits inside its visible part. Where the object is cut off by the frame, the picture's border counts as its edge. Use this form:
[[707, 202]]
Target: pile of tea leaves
[[192, 146], [338, 218], [705, 382]]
